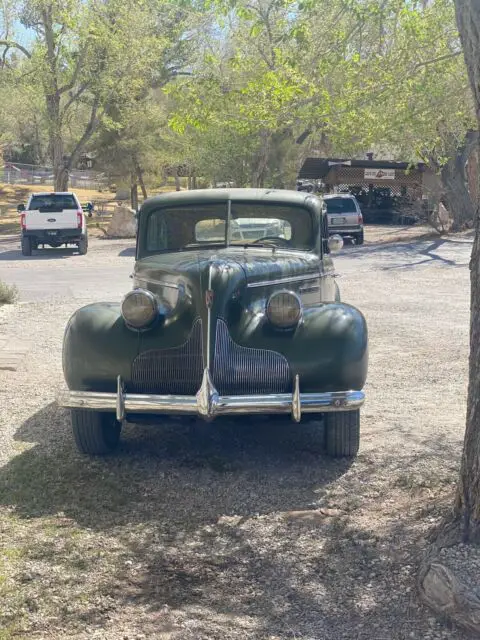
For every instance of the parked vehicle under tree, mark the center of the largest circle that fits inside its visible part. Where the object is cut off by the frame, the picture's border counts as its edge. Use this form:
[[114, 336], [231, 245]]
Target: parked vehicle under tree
[[219, 326], [52, 219]]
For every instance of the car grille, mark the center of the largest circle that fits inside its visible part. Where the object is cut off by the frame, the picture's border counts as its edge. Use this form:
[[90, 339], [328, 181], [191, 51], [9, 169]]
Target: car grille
[[236, 370], [171, 371], [242, 370]]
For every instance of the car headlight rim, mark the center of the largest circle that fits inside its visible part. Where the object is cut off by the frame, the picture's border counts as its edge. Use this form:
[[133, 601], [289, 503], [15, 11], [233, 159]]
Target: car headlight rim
[[141, 318], [284, 309]]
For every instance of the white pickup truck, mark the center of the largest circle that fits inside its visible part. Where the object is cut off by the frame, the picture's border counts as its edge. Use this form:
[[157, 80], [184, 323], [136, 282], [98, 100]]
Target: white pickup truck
[[53, 219]]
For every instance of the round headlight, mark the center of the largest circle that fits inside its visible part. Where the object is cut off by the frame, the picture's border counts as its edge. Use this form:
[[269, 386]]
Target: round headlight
[[139, 308], [284, 309]]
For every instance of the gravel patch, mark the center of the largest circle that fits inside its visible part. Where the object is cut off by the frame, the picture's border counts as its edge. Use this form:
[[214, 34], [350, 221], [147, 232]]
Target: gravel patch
[[464, 560], [237, 529]]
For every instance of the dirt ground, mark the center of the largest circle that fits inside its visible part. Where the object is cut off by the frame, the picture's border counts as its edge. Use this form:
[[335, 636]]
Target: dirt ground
[[236, 529]]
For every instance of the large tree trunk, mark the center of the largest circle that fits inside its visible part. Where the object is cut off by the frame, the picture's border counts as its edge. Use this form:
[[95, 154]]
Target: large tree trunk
[[454, 177], [467, 502]]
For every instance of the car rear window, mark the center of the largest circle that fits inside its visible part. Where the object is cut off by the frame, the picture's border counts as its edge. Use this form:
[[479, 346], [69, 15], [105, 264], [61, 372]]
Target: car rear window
[[340, 205], [53, 201]]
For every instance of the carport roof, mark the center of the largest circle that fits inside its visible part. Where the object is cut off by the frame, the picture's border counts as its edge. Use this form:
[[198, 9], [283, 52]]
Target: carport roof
[[317, 168]]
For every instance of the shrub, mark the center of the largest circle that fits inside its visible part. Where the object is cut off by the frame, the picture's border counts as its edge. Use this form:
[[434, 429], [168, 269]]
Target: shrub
[[8, 293]]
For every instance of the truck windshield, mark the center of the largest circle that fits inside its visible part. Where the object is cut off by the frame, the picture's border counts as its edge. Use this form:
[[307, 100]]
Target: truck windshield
[[199, 225], [56, 201]]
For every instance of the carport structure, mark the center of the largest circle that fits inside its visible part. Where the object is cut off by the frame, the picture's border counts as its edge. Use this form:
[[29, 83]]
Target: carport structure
[[386, 190]]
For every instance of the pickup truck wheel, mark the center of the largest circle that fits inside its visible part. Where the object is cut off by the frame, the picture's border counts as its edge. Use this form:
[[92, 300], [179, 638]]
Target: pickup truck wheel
[[342, 433], [83, 246], [359, 237], [26, 246], [95, 432]]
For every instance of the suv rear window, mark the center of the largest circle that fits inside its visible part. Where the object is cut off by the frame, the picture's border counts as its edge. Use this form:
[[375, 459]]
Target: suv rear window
[[53, 201], [340, 205]]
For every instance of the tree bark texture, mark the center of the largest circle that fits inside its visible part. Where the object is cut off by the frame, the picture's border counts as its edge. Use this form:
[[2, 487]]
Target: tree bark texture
[[467, 501], [454, 177]]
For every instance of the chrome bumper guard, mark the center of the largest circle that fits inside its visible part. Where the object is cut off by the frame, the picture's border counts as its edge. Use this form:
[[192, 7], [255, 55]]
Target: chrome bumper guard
[[208, 404]]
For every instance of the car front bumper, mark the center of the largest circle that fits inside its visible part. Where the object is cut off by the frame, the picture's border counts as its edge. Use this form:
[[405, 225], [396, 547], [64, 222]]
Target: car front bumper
[[346, 231], [208, 404]]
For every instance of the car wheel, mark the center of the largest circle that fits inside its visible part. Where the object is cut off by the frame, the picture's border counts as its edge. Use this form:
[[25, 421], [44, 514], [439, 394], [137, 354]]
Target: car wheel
[[83, 246], [342, 433], [95, 432], [26, 246], [359, 238]]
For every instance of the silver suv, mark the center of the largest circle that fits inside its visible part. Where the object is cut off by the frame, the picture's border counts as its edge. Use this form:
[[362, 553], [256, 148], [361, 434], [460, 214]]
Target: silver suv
[[344, 216]]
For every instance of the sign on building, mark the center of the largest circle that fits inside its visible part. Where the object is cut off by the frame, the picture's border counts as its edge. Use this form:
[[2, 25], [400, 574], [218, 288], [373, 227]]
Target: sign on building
[[379, 174]]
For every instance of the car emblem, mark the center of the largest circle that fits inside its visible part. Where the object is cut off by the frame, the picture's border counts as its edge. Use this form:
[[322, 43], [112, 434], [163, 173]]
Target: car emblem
[[209, 298], [51, 219]]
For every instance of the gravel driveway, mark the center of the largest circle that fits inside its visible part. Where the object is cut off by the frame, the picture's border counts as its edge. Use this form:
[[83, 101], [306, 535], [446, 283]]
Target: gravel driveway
[[233, 530]]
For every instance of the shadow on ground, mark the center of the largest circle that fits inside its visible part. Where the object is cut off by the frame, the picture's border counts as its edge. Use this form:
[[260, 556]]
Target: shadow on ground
[[129, 252], [407, 255], [234, 529], [209, 464]]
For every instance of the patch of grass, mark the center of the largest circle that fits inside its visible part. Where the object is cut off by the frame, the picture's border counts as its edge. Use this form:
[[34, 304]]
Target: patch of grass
[[8, 293]]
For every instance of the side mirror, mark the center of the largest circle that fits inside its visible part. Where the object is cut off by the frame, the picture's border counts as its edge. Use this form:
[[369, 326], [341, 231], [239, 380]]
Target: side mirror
[[20, 208], [335, 243]]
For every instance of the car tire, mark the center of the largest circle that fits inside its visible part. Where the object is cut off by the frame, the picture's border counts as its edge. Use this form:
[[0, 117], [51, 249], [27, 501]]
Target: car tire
[[342, 433], [83, 246], [26, 246], [96, 433], [359, 238]]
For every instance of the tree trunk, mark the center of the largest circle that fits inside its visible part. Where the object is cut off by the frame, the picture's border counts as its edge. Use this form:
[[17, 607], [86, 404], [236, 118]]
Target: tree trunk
[[261, 163], [454, 177], [134, 193], [467, 502], [141, 181], [177, 180]]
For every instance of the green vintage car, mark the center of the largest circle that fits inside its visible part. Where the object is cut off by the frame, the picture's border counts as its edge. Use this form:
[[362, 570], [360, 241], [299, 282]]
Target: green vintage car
[[221, 324]]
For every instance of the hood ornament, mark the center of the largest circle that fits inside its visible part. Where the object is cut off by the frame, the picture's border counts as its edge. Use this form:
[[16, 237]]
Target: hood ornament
[[209, 298]]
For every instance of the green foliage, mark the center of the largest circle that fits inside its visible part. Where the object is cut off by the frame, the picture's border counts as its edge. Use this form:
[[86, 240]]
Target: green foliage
[[8, 293], [357, 74]]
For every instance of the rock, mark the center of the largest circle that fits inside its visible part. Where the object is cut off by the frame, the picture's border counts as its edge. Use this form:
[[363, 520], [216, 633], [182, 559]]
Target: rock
[[123, 223], [446, 594]]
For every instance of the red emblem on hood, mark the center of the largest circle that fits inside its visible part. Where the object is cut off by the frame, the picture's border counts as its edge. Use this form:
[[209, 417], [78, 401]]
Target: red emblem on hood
[[209, 298]]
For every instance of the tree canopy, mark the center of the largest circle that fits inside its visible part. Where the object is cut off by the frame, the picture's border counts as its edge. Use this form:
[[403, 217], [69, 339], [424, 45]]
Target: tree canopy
[[236, 90]]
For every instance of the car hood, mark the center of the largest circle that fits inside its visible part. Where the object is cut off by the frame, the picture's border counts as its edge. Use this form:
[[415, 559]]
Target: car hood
[[255, 265]]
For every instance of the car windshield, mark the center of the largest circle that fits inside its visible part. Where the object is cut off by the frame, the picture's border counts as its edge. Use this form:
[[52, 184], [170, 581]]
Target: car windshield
[[340, 205], [53, 201], [251, 224]]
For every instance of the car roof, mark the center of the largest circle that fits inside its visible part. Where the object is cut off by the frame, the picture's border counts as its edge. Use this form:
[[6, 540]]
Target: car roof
[[53, 193], [281, 196], [338, 195]]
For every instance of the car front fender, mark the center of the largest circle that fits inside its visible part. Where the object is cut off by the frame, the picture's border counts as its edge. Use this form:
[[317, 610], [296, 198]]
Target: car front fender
[[97, 347], [328, 349]]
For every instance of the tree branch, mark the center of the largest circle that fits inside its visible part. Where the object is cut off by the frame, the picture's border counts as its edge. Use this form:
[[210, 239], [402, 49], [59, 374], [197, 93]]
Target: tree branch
[[74, 97], [89, 130], [76, 72], [446, 56], [15, 45]]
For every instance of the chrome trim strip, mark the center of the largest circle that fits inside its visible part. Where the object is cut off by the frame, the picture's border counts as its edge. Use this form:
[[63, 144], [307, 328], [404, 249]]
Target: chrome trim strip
[[208, 404], [296, 400], [120, 404], [209, 319], [266, 283]]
